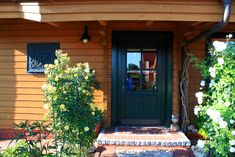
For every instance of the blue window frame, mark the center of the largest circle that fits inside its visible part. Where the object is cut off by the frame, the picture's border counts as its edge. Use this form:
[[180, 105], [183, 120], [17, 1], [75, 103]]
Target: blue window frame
[[39, 54]]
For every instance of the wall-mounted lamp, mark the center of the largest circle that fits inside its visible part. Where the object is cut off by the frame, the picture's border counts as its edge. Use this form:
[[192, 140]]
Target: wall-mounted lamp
[[85, 36]]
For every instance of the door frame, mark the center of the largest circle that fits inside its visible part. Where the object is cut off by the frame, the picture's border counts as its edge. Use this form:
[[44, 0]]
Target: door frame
[[117, 39]]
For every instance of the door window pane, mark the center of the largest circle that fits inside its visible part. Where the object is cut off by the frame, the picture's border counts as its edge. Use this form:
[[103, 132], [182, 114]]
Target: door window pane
[[133, 80], [149, 60], [133, 60], [149, 80]]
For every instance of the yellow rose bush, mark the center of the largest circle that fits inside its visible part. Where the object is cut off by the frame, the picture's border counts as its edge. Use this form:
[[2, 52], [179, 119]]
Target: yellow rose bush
[[68, 92]]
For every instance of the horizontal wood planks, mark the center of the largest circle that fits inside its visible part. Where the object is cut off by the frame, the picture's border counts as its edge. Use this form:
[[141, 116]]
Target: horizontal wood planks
[[21, 97], [101, 10]]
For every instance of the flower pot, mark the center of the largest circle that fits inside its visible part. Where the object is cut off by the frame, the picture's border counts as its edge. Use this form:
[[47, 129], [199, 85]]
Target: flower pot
[[98, 127]]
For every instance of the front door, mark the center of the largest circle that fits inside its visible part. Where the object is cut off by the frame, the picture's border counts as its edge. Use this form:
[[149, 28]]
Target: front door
[[142, 66]]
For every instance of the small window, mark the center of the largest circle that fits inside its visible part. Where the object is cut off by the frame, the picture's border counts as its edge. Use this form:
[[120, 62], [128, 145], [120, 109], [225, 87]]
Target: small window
[[39, 54]]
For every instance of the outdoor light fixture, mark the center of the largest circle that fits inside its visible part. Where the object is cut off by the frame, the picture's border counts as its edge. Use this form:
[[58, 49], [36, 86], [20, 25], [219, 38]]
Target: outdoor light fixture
[[85, 36]]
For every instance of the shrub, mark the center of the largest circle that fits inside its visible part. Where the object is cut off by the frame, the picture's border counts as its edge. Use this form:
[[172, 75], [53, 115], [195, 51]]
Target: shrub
[[69, 93], [216, 99]]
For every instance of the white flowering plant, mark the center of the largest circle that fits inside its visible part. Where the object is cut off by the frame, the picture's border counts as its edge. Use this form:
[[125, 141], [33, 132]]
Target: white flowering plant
[[69, 93], [215, 110]]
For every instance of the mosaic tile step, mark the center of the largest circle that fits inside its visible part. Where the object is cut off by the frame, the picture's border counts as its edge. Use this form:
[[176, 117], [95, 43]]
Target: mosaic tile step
[[142, 136]]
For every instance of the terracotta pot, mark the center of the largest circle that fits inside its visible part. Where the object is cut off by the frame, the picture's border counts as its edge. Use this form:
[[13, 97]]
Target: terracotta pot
[[98, 127]]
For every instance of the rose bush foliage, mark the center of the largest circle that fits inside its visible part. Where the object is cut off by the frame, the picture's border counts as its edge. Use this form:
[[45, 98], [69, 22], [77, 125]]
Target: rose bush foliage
[[216, 99], [69, 93]]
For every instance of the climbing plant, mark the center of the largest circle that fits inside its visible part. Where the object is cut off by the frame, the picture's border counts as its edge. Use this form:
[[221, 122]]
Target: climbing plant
[[216, 99]]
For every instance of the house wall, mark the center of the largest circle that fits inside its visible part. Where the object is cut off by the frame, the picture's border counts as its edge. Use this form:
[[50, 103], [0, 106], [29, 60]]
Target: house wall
[[21, 97]]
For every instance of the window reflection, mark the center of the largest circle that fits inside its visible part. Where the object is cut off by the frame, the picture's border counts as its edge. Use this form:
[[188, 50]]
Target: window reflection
[[149, 60], [133, 80], [141, 72], [149, 80], [133, 60]]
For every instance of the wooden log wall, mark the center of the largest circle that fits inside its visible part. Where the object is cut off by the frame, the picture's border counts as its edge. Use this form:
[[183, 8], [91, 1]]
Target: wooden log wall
[[21, 97]]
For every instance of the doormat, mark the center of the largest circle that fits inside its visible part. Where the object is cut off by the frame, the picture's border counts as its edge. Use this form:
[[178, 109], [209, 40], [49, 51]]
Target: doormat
[[142, 136]]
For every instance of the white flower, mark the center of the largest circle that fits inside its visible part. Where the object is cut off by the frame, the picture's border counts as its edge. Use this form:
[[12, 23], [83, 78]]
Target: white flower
[[203, 82], [216, 117], [199, 96], [220, 102], [219, 46], [212, 83], [201, 143], [231, 121], [233, 132], [222, 124], [212, 71], [196, 110], [232, 142], [232, 150], [220, 61], [227, 103]]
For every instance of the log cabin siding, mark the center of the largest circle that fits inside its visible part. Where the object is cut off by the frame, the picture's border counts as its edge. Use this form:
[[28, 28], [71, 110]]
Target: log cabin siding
[[21, 97]]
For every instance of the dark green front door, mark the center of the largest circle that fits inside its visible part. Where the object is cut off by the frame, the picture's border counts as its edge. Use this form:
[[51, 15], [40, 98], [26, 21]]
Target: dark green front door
[[141, 76]]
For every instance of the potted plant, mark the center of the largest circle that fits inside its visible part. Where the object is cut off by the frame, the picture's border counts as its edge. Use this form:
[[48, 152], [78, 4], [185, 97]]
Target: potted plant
[[99, 116]]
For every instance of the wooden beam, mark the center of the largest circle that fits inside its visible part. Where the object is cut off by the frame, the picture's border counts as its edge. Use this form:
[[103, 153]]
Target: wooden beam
[[103, 23], [53, 24], [102, 33], [149, 23]]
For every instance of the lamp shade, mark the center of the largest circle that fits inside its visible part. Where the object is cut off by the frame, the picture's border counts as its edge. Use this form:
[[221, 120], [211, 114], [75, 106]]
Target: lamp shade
[[85, 36]]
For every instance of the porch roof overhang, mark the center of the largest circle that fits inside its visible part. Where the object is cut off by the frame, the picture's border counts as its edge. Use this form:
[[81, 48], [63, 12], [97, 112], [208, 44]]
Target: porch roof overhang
[[100, 10]]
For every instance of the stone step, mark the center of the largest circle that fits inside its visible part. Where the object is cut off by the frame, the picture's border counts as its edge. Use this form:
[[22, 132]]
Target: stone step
[[142, 136], [148, 151]]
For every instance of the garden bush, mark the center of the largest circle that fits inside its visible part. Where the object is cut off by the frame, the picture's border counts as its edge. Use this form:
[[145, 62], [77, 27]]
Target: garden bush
[[216, 99], [69, 95]]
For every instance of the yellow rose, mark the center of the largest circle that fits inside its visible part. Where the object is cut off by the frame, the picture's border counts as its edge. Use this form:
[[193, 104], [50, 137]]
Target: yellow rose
[[46, 106], [86, 65], [56, 61], [44, 87], [86, 77], [56, 78], [62, 107], [79, 64], [86, 129], [87, 70], [66, 127]]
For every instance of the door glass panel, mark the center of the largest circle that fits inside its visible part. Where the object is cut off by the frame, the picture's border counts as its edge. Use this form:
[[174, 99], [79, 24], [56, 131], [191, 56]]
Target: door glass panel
[[133, 60], [149, 60], [133, 80], [149, 80], [141, 70]]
